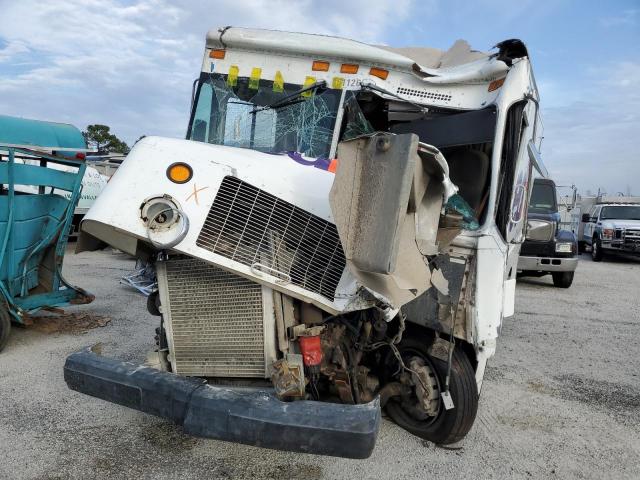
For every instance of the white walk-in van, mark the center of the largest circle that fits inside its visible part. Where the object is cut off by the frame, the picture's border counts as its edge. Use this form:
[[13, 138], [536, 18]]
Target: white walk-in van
[[338, 234]]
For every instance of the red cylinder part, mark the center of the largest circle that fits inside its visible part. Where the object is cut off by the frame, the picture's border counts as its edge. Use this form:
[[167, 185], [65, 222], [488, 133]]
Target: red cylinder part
[[311, 349]]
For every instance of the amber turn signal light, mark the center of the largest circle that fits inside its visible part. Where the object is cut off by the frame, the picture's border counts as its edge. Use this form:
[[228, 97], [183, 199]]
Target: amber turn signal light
[[379, 72], [219, 54], [349, 68], [179, 172], [320, 66], [496, 84]]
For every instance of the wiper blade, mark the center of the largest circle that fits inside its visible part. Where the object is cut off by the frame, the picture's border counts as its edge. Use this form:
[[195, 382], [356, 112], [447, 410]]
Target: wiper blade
[[288, 100]]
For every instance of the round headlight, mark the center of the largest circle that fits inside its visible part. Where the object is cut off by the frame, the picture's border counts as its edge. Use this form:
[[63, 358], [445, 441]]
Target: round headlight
[[165, 222]]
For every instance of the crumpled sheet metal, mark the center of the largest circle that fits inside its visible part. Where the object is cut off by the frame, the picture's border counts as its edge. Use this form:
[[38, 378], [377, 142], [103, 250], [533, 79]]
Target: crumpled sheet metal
[[386, 201]]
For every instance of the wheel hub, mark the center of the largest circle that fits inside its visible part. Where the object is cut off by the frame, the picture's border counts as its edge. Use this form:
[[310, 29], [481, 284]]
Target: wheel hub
[[424, 379]]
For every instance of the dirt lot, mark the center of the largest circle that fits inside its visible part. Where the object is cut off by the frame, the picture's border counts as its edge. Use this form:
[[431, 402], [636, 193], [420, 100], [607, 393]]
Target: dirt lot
[[561, 398]]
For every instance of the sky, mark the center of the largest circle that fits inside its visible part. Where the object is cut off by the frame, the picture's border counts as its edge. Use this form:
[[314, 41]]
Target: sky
[[131, 64]]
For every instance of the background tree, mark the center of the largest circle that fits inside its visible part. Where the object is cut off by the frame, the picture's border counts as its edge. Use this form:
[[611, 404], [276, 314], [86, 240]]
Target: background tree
[[100, 138]]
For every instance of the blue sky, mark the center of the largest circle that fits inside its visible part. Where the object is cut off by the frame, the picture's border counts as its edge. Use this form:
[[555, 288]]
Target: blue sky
[[130, 64]]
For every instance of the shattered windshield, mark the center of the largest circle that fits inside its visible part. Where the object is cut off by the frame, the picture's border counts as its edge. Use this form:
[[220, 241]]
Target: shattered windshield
[[230, 111]]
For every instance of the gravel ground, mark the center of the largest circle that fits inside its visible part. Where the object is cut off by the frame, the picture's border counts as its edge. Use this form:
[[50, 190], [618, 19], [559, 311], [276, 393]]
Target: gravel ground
[[561, 398]]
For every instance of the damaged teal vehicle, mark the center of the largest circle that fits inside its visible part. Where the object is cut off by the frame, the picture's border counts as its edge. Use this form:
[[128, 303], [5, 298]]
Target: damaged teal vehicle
[[41, 170]]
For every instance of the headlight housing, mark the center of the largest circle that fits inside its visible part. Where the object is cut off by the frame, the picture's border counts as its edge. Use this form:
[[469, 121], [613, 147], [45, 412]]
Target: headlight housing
[[564, 247], [608, 233], [540, 230], [165, 222]]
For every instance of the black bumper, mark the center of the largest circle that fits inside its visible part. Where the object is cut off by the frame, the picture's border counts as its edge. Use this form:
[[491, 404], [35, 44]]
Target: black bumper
[[253, 417]]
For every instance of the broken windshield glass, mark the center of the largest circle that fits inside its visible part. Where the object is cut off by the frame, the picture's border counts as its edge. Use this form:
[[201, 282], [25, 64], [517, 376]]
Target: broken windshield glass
[[232, 112], [356, 122]]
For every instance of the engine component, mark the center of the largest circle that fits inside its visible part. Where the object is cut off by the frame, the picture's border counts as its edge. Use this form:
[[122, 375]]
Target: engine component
[[288, 377], [367, 384], [311, 351]]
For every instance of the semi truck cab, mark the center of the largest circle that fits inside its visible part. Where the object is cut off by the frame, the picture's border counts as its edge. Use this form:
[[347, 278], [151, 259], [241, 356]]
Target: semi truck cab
[[547, 250]]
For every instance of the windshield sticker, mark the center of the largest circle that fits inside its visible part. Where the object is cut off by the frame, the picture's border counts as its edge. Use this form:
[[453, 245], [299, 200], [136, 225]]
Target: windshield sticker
[[278, 83]]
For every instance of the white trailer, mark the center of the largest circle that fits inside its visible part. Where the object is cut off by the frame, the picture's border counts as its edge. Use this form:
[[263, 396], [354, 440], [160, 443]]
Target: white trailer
[[339, 231]]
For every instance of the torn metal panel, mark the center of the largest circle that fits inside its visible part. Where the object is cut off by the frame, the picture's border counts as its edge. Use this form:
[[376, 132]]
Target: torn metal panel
[[479, 71], [386, 202], [458, 54], [369, 198], [432, 309]]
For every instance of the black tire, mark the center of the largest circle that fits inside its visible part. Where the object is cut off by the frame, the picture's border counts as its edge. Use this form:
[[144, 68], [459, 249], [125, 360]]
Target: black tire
[[562, 279], [5, 326], [153, 304], [582, 247], [596, 250], [449, 426]]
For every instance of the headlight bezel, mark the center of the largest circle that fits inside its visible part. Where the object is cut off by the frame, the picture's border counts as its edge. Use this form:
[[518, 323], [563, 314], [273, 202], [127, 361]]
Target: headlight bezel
[[608, 233], [564, 247]]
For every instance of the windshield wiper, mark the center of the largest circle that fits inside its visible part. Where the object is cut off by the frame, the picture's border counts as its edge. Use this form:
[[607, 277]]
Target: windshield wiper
[[291, 98]]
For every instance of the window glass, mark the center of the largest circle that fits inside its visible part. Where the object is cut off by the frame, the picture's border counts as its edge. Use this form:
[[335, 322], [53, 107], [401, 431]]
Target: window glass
[[247, 115]]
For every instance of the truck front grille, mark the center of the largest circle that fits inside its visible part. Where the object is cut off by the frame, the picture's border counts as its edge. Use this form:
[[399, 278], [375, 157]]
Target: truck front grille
[[630, 234], [260, 230], [216, 320]]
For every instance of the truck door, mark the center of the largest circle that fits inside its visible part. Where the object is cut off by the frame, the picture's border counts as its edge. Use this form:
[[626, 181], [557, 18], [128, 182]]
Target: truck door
[[514, 191], [516, 168], [590, 227]]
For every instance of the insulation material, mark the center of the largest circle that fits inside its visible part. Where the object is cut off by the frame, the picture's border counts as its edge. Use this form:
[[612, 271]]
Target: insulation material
[[386, 202]]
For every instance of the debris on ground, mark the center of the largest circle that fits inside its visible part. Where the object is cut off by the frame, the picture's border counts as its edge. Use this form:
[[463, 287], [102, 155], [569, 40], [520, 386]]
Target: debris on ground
[[143, 278], [78, 322]]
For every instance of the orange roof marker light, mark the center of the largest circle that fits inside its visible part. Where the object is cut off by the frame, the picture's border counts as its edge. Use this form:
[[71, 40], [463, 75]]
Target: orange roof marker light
[[218, 54], [349, 68], [496, 84], [379, 72], [320, 66]]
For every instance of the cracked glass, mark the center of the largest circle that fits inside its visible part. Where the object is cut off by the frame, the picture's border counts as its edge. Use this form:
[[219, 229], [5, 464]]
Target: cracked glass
[[234, 112]]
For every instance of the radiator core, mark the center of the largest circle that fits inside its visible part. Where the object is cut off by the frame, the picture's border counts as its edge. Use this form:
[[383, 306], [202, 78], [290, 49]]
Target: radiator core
[[218, 324]]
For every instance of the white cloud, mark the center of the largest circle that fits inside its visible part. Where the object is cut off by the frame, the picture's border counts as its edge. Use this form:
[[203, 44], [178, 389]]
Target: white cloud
[[131, 65], [627, 17], [592, 139], [12, 50]]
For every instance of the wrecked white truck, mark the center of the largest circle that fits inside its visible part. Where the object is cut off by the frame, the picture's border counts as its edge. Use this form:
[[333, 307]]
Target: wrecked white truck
[[339, 233]]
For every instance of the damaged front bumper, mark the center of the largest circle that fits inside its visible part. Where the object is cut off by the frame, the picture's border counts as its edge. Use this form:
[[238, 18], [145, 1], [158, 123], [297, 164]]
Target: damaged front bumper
[[249, 416]]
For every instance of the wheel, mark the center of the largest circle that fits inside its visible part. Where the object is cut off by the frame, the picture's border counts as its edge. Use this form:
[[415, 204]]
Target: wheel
[[562, 279], [446, 426], [5, 326], [582, 247], [153, 304], [596, 250]]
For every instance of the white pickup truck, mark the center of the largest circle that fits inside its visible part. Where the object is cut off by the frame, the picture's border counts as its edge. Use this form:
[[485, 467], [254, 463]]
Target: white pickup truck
[[611, 228]]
